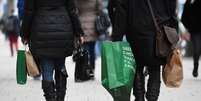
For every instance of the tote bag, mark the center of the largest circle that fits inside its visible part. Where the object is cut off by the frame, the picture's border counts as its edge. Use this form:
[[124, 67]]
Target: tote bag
[[21, 73], [118, 69]]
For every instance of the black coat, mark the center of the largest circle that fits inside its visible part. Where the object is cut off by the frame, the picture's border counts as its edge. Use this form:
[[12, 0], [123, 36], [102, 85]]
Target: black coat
[[50, 26], [139, 27], [191, 17]]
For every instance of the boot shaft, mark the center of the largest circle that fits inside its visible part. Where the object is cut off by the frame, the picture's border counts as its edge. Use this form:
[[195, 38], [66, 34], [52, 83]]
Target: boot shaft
[[49, 90], [61, 83]]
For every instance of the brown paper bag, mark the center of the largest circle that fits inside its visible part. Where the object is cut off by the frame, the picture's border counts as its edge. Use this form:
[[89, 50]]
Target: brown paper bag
[[32, 67], [173, 70]]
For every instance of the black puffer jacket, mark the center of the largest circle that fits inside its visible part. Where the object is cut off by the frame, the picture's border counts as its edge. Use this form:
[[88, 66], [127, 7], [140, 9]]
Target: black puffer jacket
[[50, 26]]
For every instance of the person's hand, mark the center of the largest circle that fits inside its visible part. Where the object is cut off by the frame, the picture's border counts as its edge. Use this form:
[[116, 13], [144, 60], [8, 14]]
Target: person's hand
[[185, 36], [82, 39], [24, 41]]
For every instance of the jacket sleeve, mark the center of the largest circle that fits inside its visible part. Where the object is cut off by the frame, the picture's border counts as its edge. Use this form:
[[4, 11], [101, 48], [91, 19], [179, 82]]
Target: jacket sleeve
[[111, 9], [73, 13], [173, 13], [27, 19], [120, 18], [185, 19]]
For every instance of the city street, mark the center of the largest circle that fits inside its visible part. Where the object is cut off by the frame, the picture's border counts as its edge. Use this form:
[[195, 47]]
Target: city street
[[86, 91]]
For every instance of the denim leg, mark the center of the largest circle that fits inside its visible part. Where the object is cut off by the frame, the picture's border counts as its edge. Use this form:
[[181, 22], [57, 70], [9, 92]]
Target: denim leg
[[90, 46], [47, 66]]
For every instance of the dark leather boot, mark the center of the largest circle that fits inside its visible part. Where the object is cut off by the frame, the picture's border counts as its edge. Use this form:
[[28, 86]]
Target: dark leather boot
[[195, 70], [139, 85], [49, 90], [61, 82]]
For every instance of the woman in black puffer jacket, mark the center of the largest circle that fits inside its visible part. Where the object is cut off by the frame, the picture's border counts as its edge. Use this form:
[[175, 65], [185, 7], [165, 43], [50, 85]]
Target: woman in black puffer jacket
[[49, 27]]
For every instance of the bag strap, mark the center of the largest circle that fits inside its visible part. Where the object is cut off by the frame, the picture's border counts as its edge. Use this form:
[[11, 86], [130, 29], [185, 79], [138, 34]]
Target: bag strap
[[153, 16], [97, 8]]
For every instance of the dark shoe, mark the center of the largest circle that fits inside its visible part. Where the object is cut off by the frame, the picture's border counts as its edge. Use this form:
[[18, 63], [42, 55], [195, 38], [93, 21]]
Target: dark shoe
[[140, 99], [195, 73], [82, 80], [195, 70], [49, 90], [61, 82], [37, 78], [91, 74]]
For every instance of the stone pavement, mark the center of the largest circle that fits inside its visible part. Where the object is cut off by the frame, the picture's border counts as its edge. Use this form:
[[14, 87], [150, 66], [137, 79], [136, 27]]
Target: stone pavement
[[87, 91]]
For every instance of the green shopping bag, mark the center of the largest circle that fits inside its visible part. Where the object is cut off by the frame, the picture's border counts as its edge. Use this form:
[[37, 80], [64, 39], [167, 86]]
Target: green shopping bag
[[21, 73], [118, 69]]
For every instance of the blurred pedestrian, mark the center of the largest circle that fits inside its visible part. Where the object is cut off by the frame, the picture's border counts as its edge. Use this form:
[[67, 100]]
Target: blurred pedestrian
[[50, 27], [12, 27], [133, 18], [192, 21], [3, 29], [88, 11]]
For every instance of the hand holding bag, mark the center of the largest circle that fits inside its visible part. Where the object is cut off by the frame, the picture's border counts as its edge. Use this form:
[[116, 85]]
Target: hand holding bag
[[81, 59], [31, 65]]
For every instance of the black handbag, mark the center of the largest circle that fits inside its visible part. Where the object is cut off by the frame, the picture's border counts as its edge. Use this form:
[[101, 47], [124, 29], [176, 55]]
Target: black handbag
[[102, 21], [82, 64], [166, 37]]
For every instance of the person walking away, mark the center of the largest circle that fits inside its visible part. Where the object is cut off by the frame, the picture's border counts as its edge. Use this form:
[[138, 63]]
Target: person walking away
[[12, 26], [50, 27], [192, 21], [135, 21], [88, 10]]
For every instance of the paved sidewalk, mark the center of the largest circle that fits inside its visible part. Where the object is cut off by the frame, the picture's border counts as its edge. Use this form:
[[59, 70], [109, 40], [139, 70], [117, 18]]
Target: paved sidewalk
[[87, 91]]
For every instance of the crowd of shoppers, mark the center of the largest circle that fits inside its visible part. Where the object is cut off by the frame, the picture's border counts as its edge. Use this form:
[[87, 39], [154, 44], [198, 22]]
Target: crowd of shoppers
[[50, 28]]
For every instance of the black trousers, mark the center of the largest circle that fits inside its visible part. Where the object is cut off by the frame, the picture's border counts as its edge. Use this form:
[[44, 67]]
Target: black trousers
[[196, 41], [153, 86]]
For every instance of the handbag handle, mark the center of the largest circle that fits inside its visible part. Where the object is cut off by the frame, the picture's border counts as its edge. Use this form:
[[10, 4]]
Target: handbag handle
[[153, 16]]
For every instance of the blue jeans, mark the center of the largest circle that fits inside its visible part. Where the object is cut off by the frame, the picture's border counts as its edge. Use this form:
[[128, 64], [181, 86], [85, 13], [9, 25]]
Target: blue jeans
[[49, 65], [90, 46]]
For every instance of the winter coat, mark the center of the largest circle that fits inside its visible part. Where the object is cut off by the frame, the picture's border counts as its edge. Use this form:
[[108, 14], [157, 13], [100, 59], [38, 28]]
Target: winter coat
[[191, 17], [88, 10], [138, 26], [50, 26]]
